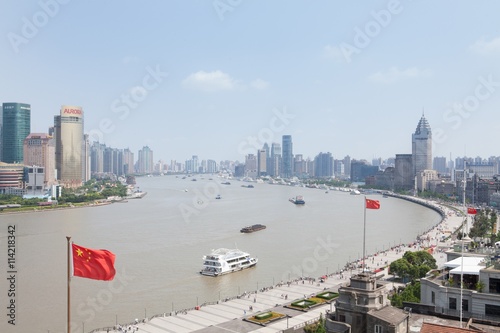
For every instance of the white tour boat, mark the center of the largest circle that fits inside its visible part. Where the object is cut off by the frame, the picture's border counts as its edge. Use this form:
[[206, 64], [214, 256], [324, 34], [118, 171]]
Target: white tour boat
[[223, 261]]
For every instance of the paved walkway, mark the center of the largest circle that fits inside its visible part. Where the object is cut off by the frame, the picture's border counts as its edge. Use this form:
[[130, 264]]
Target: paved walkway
[[227, 316]]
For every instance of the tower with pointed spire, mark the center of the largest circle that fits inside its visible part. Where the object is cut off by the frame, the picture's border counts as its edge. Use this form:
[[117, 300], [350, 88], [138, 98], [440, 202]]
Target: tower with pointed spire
[[421, 143]]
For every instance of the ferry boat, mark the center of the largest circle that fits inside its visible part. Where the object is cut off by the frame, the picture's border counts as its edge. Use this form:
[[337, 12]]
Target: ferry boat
[[223, 261], [253, 228], [298, 200]]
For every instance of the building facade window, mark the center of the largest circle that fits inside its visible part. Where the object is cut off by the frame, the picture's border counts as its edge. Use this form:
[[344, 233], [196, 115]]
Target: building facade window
[[433, 297], [378, 329], [492, 310], [465, 305], [494, 286], [452, 303]]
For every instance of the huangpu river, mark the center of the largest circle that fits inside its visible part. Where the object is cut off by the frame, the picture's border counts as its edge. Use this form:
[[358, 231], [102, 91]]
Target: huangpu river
[[159, 242]]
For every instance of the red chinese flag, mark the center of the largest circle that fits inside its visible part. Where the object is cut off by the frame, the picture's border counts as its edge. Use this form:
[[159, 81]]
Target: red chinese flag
[[471, 211], [93, 264], [372, 204]]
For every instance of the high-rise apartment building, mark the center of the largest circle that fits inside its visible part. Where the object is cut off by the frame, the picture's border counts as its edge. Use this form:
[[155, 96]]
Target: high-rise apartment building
[[403, 172], [422, 147], [212, 166], [323, 165], [275, 159], [68, 133], [128, 161], [16, 126], [347, 165], [338, 168], [40, 150], [299, 165], [86, 170], [145, 161], [262, 162], [287, 157], [97, 158], [439, 164], [251, 166]]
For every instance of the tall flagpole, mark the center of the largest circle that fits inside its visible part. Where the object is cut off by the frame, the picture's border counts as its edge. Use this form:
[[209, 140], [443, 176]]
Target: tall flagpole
[[364, 235], [69, 280], [462, 254]]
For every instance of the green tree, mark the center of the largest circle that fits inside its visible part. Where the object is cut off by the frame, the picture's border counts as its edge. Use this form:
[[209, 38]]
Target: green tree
[[484, 223], [413, 265], [411, 293]]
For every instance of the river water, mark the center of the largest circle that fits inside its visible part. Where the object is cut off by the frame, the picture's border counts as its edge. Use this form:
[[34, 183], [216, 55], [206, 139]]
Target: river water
[[159, 242]]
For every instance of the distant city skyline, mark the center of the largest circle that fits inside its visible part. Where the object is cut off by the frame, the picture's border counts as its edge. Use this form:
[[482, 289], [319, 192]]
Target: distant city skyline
[[350, 79]]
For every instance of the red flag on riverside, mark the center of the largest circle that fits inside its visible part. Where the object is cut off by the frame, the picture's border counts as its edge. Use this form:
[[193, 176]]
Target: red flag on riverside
[[471, 211], [372, 204], [93, 264]]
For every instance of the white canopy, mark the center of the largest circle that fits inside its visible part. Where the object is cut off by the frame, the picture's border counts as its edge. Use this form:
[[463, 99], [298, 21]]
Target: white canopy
[[467, 261], [467, 270]]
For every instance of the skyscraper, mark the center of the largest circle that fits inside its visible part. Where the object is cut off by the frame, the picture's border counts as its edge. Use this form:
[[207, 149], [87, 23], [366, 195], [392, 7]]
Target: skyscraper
[[323, 165], [262, 162], [421, 147], [16, 127], [86, 173], [251, 166], [128, 161], [403, 177], [39, 150], [275, 159], [287, 145], [145, 161], [68, 133]]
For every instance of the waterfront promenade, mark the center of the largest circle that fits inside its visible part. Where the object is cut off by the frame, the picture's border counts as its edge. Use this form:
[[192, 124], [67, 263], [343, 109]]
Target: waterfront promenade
[[228, 315]]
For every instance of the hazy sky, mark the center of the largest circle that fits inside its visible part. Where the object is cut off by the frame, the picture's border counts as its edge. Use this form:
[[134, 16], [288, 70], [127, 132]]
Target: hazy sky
[[219, 78]]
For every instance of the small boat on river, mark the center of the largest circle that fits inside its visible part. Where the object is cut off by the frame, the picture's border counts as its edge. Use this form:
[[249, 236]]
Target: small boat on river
[[298, 200], [253, 228]]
